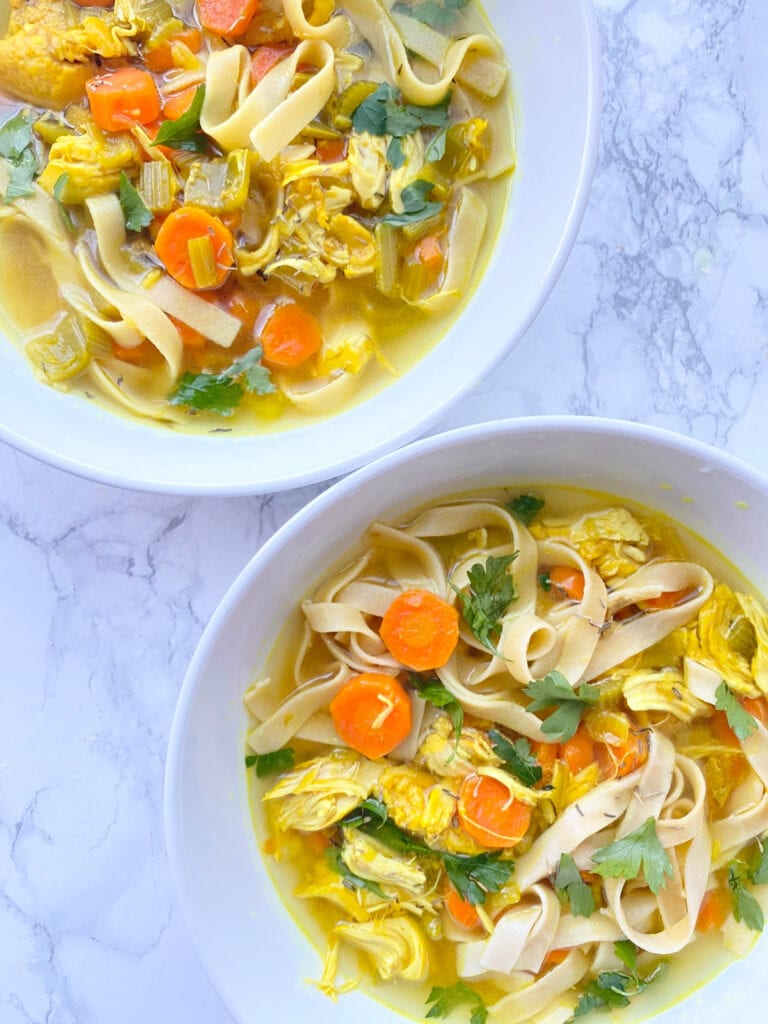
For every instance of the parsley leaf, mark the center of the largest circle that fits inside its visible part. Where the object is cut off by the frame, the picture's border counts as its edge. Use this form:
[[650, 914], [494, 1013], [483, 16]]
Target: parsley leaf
[[432, 690], [384, 113], [545, 582], [742, 723], [517, 757], [439, 14], [491, 591], [136, 213], [66, 216], [554, 691], [335, 862], [611, 989], [436, 149], [185, 132], [221, 393], [745, 906], [445, 999], [274, 761], [525, 508], [395, 154], [416, 206], [16, 148], [569, 885], [758, 866], [639, 849], [368, 810]]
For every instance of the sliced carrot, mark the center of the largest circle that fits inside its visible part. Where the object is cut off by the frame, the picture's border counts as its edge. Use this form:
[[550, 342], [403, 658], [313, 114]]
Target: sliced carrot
[[757, 707], [330, 151], [715, 908], [627, 612], [489, 815], [289, 337], [462, 912], [138, 355], [316, 842], [721, 730], [578, 752], [420, 630], [554, 957], [372, 713], [182, 226], [429, 252], [545, 754], [616, 761], [179, 103], [227, 17], [668, 600], [264, 58], [189, 336], [123, 97], [160, 59], [568, 581]]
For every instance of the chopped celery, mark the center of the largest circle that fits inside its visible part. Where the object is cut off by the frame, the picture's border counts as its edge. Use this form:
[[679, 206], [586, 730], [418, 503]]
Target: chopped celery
[[48, 128], [416, 280], [61, 354], [343, 107], [467, 148], [158, 185], [386, 268], [203, 262], [441, 185], [420, 228], [318, 130], [219, 186]]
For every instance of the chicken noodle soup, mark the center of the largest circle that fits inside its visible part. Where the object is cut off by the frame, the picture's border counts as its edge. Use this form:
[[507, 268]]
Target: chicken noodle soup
[[516, 756], [238, 208]]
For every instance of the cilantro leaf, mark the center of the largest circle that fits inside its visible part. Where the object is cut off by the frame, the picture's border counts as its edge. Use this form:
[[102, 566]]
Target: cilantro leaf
[[432, 690], [185, 132], [335, 862], [758, 866], [395, 154], [545, 582], [474, 877], [384, 113], [639, 849], [742, 723], [491, 591], [15, 137], [611, 989], [66, 216], [517, 757], [221, 393], [554, 691], [416, 206], [436, 149], [569, 885], [626, 951], [525, 508], [368, 810], [21, 174], [438, 14], [445, 999], [136, 213], [274, 761], [744, 905]]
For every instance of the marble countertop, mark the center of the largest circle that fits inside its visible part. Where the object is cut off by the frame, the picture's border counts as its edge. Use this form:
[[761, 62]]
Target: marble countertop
[[661, 315]]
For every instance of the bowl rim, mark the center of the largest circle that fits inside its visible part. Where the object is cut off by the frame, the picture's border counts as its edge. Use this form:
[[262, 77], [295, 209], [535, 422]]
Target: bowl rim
[[344, 489], [183, 481]]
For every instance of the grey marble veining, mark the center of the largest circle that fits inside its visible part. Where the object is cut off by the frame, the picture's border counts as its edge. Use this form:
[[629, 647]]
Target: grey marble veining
[[661, 316]]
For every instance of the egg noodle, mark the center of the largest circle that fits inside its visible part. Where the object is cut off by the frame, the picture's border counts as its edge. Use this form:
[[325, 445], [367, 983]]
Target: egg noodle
[[537, 753]]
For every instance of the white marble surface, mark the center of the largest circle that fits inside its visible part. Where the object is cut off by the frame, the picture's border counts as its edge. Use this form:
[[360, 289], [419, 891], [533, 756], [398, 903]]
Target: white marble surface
[[661, 315]]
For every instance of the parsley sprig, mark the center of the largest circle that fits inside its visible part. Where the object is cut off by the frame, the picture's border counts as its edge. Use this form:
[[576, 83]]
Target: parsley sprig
[[525, 508], [335, 862], [136, 213], [612, 989], [472, 877], [16, 148], [554, 691], [571, 887], [740, 720], [185, 132], [416, 206], [447, 998], [490, 592], [221, 393], [432, 690], [517, 757], [753, 869], [439, 14], [625, 857], [274, 761], [385, 113]]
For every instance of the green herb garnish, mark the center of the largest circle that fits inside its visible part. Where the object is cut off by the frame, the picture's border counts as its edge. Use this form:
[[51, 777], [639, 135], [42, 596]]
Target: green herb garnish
[[274, 761], [525, 508], [370, 810], [438, 14], [742, 723], [570, 886], [66, 216], [544, 581], [517, 757], [16, 148], [385, 113], [395, 154], [432, 690], [185, 132], [136, 213], [446, 998], [612, 989], [554, 691], [625, 857], [491, 591], [753, 869], [416, 206], [221, 393], [335, 862]]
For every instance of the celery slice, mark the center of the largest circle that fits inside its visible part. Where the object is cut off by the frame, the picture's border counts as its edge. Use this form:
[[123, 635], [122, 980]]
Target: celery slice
[[386, 268], [158, 185], [219, 186], [63, 353], [203, 262]]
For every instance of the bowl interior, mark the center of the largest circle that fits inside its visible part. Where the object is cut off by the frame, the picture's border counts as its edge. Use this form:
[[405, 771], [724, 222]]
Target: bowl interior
[[555, 70], [239, 925]]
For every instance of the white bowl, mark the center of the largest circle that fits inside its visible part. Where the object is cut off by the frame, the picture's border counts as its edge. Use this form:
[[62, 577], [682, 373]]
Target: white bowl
[[554, 56], [243, 933]]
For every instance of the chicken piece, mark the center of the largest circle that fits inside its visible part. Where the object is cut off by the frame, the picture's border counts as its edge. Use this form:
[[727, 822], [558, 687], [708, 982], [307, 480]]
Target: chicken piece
[[611, 540], [441, 755], [758, 619], [662, 690], [396, 946], [726, 640], [368, 168], [369, 859], [347, 347], [327, 885], [91, 161], [416, 801], [318, 793]]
